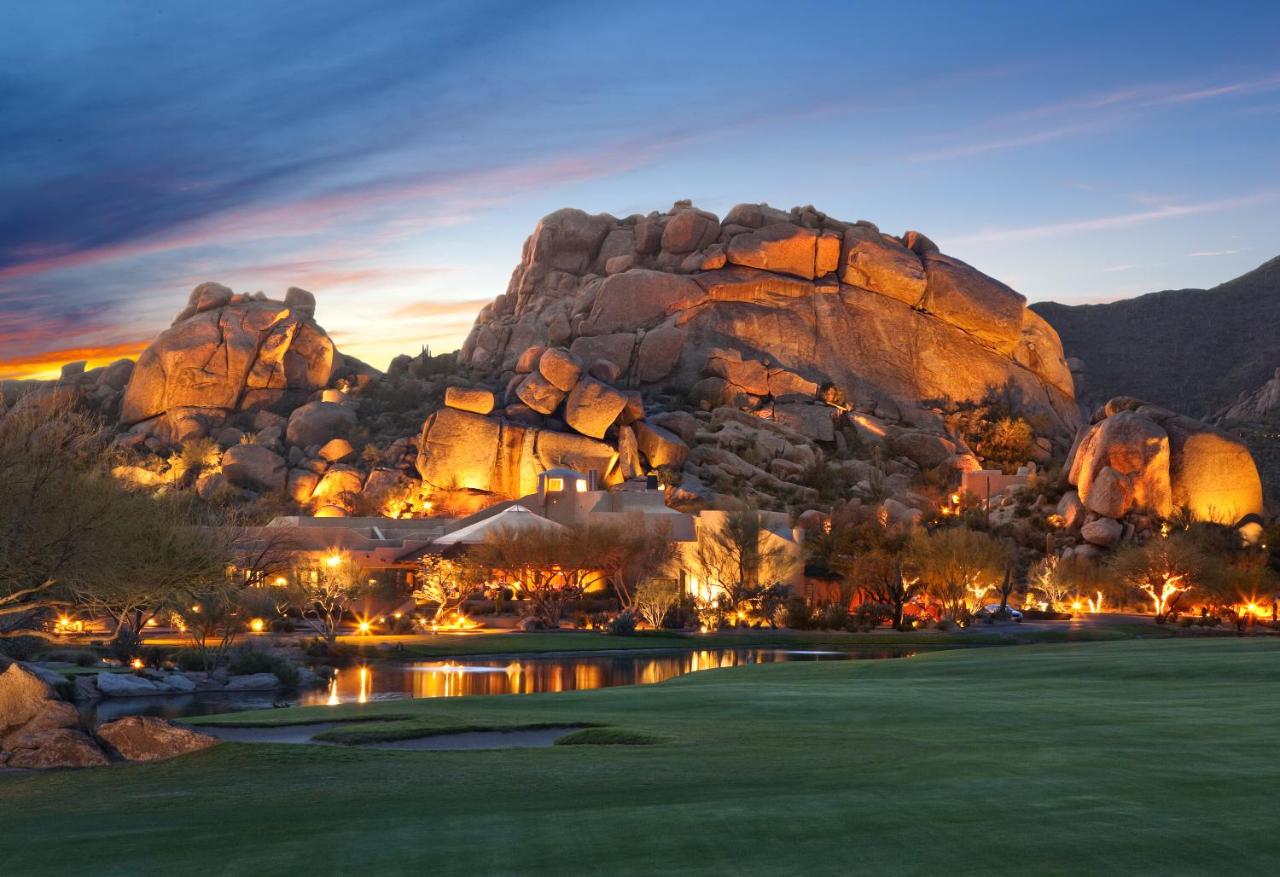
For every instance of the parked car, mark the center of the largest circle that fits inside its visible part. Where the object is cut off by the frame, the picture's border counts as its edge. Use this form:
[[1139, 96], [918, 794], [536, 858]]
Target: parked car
[[992, 611]]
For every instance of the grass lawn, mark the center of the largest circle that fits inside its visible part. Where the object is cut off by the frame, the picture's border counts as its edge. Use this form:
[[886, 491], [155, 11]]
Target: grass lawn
[[508, 642], [1155, 757]]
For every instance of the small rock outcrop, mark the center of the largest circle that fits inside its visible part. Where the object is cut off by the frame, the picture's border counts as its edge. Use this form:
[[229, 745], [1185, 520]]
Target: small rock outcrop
[[1140, 457], [147, 738], [229, 352], [37, 729], [556, 415], [766, 305]]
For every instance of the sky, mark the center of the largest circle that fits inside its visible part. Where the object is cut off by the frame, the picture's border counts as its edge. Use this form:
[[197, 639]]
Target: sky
[[392, 157]]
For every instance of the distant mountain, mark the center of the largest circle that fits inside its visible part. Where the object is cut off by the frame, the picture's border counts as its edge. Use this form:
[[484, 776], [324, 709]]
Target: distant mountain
[[1193, 350]]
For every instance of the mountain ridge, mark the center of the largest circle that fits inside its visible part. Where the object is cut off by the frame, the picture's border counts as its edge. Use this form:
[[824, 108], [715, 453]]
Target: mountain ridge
[[1194, 350]]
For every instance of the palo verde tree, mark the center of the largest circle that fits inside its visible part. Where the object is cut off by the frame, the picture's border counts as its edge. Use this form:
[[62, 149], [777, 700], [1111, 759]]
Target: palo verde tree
[[72, 535], [632, 554], [323, 590], [738, 557], [1163, 569], [958, 566], [446, 583], [545, 566]]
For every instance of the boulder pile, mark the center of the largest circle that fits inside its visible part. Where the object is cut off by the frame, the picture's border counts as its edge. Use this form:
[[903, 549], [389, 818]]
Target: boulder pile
[[227, 356], [1137, 462], [39, 730], [556, 411], [766, 305]]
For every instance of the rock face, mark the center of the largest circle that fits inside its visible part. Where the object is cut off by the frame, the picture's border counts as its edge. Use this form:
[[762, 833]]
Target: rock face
[[1136, 456], [227, 353], [504, 453], [768, 301]]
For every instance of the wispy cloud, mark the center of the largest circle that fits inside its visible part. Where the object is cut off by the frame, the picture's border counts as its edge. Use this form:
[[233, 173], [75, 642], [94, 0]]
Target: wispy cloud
[[1109, 223], [999, 144], [437, 309], [1214, 253]]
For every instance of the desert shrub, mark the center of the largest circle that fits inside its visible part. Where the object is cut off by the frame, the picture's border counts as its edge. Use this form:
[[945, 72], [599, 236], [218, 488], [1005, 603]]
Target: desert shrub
[[680, 617], [188, 660], [869, 616], [622, 624], [79, 657], [21, 648], [126, 645], [796, 614], [337, 655], [246, 661], [833, 616]]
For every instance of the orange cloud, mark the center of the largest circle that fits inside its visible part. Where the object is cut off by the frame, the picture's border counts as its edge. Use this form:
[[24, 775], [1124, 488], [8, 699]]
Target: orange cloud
[[429, 309], [46, 365]]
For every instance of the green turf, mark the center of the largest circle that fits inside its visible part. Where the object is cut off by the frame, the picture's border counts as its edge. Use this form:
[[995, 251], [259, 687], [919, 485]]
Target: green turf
[[1141, 757], [505, 643]]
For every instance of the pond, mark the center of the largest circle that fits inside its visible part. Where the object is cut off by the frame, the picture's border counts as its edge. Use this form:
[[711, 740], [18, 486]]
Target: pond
[[467, 677]]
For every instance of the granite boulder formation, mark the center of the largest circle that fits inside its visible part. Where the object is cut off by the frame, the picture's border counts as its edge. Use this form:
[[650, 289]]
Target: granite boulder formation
[[765, 304], [228, 352], [1140, 457], [557, 415]]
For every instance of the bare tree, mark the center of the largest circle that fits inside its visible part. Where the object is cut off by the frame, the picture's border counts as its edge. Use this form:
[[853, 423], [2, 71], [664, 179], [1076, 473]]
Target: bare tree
[[738, 557], [655, 597], [323, 591], [547, 567], [446, 583], [632, 554]]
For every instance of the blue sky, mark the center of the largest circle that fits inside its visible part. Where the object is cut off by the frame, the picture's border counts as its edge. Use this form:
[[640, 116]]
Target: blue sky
[[392, 157]]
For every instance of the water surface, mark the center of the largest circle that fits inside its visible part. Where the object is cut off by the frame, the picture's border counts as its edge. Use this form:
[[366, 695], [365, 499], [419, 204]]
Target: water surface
[[469, 677]]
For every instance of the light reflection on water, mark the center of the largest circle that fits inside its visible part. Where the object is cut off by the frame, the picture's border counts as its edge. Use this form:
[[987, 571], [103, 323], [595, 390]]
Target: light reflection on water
[[539, 675], [472, 676]]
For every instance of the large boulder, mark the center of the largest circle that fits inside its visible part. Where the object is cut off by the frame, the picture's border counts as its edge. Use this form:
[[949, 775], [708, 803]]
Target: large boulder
[[58, 747], [1137, 456], [254, 467], [478, 401], [317, 422], [593, 406], [812, 299], [148, 738], [227, 353], [38, 730]]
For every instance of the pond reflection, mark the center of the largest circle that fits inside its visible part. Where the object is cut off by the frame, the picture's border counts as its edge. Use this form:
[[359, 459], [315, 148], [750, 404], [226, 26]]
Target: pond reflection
[[466, 677], [539, 675]]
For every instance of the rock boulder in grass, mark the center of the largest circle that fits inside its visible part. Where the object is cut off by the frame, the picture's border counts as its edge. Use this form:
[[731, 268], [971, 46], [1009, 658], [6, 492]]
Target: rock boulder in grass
[[803, 294], [317, 422], [227, 353], [148, 738], [1137, 456], [254, 468], [337, 450]]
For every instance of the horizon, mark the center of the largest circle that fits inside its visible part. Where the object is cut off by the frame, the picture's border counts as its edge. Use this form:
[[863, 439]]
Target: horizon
[[392, 161]]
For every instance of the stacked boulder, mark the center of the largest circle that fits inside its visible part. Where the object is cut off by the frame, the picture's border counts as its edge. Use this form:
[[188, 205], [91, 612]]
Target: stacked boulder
[[1136, 463], [765, 303], [557, 411], [98, 390], [228, 356]]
